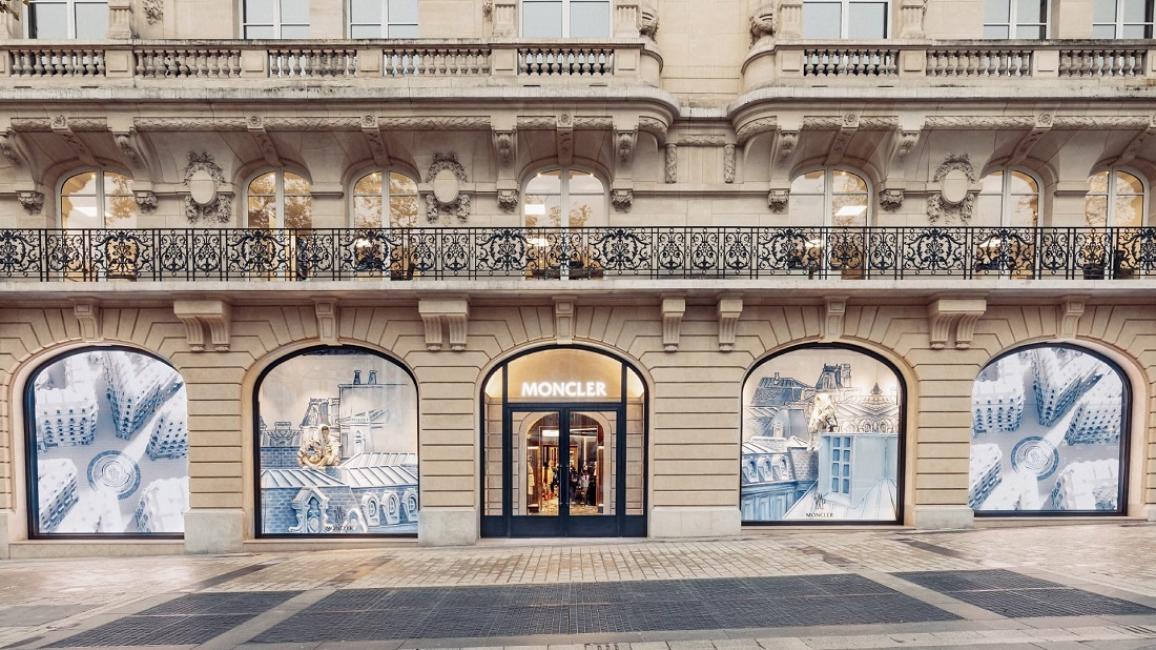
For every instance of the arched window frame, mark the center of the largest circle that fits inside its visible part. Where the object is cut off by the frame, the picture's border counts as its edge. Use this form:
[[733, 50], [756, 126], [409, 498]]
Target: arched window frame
[[565, 27], [1103, 28], [277, 22], [389, 24], [829, 192], [101, 196], [1013, 28], [279, 195], [846, 23], [1125, 432], [1113, 193], [386, 214], [565, 174], [31, 472], [901, 430], [255, 434], [1006, 195], [71, 22]]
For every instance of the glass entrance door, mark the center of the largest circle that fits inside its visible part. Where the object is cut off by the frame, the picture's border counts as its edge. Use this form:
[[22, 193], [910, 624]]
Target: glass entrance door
[[563, 478]]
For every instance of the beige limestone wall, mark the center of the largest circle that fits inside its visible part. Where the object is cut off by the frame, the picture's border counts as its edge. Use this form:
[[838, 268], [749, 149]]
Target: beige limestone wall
[[694, 395]]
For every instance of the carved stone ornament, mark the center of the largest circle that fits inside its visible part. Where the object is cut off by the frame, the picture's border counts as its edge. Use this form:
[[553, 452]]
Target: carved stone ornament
[[508, 200], [777, 199], [32, 202], [205, 201], [154, 11], [955, 200], [647, 20], [622, 199], [762, 22], [504, 143], [146, 200], [891, 200], [624, 142], [446, 176]]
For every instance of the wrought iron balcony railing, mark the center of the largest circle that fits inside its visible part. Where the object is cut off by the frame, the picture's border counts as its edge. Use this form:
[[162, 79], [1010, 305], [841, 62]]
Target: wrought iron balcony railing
[[690, 252]]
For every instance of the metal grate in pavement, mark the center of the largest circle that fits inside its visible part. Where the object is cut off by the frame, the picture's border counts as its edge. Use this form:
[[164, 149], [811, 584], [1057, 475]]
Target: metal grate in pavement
[[1014, 595], [189, 620]]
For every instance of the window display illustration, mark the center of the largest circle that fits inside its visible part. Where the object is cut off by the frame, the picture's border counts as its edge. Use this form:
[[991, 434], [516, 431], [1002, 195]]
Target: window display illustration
[[1046, 435], [338, 445], [110, 445], [821, 438]]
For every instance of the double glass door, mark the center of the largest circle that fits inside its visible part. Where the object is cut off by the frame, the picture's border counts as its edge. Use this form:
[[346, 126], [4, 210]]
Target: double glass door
[[565, 469]]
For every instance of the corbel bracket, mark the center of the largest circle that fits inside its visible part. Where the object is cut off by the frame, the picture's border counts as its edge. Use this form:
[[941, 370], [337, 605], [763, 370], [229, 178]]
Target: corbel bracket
[[834, 313], [958, 316], [564, 310], [371, 131], [61, 127], [1069, 313], [264, 141], [87, 313], [198, 315], [327, 321], [673, 309], [729, 310], [442, 315]]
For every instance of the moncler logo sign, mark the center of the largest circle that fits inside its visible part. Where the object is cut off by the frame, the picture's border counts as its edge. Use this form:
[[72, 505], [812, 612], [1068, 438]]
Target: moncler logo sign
[[563, 389]]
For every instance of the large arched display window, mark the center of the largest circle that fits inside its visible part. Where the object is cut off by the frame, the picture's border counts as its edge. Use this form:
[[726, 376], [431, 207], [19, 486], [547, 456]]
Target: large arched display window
[[564, 446], [107, 441], [823, 438], [1049, 434], [337, 444]]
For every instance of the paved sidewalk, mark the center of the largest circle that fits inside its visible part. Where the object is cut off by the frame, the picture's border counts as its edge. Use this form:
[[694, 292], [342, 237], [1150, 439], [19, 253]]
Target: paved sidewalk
[[1045, 586]]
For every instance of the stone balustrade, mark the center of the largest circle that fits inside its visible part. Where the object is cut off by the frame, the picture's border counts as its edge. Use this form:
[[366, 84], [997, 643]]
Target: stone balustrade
[[774, 62], [628, 60]]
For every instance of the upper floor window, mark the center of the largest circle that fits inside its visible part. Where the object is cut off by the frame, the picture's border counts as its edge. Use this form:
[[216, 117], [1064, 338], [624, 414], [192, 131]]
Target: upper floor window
[[1115, 198], [859, 19], [1026, 19], [564, 198], [385, 200], [383, 19], [275, 18], [97, 199], [842, 197], [1012, 196], [67, 19], [1122, 19], [279, 199], [566, 18]]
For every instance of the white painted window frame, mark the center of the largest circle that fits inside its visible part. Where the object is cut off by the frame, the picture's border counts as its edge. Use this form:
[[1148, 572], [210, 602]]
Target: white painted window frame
[[1012, 25], [564, 174], [101, 197], [278, 24], [1110, 221], [71, 11], [385, 21], [279, 194], [829, 192], [385, 195], [565, 14], [1119, 24], [845, 13]]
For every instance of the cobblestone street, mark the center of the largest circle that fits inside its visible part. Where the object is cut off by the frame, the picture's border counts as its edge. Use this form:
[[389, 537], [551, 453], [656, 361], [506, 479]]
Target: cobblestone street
[[1053, 586]]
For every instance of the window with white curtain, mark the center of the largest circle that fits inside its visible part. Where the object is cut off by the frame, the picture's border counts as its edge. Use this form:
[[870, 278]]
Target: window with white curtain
[[564, 198], [279, 199], [838, 197], [565, 18], [1015, 19], [275, 19], [852, 19], [85, 20], [1115, 198], [97, 199], [1010, 198], [1122, 18], [383, 19]]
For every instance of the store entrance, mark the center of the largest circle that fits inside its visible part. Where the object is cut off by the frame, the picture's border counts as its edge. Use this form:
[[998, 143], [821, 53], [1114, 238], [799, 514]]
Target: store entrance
[[569, 471], [564, 447]]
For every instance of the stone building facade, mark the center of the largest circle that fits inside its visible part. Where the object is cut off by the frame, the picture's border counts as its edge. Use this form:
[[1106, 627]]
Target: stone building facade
[[690, 188]]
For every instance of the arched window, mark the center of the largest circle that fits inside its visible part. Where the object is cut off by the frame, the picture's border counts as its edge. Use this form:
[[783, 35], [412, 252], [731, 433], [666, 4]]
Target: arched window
[[1049, 433], [1022, 19], [118, 464], [383, 19], [1122, 19], [842, 197], [97, 199], [564, 198], [68, 19], [566, 18], [275, 18], [385, 200], [830, 418], [336, 441], [279, 199], [859, 19], [1115, 198], [1010, 198]]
